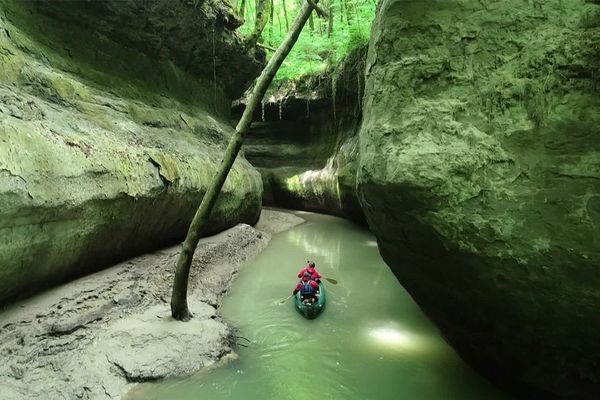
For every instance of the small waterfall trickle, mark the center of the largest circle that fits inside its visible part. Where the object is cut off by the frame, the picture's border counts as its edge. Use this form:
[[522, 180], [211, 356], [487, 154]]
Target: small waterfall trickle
[[281, 109], [334, 79], [214, 57]]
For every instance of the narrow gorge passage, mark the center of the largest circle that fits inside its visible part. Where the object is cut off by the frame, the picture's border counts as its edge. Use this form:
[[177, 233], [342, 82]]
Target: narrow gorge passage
[[463, 134], [372, 341]]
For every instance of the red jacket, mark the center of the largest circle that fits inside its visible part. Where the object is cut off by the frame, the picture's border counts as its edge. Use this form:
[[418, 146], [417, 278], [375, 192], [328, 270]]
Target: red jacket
[[314, 285], [309, 270]]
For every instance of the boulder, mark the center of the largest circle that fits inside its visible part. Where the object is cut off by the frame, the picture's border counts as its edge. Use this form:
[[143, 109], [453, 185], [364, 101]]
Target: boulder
[[479, 174], [105, 150]]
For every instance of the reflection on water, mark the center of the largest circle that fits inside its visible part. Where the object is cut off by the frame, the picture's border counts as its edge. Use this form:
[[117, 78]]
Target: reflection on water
[[392, 337], [371, 342], [314, 249]]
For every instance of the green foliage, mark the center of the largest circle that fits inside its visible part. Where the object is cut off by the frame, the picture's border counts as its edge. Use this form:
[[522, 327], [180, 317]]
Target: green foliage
[[317, 49]]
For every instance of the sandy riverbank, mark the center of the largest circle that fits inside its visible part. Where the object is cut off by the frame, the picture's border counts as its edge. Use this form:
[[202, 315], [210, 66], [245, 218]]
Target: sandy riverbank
[[95, 337]]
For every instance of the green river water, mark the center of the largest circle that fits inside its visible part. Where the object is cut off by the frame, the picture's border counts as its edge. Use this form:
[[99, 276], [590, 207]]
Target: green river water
[[371, 341]]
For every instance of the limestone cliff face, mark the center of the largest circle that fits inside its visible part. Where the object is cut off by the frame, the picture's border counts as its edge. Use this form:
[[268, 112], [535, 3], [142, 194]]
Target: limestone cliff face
[[107, 146], [305, 141], [480, 176], [194, 35]]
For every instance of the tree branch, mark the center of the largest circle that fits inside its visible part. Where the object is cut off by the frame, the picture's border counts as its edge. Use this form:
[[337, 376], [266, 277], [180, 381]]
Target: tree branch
[[320, 10], [264, 46]]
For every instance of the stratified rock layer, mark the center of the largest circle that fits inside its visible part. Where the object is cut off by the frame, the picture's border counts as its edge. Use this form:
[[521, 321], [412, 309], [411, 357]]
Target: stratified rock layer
[[105, 149], [480, 176]]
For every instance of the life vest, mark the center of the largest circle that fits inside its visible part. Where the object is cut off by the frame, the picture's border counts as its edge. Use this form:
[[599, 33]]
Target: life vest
[[306, 289]]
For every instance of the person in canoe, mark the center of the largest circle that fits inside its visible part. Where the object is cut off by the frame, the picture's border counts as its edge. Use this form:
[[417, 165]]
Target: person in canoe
[[310, 272], [309, 290]]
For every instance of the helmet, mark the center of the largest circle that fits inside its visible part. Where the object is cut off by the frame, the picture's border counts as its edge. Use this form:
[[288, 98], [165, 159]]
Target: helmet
[[311, 264]]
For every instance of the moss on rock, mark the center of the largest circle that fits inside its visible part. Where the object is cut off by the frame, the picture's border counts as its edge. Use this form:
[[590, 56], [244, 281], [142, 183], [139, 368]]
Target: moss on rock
[[480, 174], [98, 163]]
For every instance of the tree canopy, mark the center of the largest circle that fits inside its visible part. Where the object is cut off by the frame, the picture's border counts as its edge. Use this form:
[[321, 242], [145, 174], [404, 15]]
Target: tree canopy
[[324, 40]]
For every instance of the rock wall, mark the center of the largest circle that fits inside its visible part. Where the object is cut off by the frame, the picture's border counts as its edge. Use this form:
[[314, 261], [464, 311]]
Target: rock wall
[[304, 140], [194, 35], [106, 147], [480, 176]]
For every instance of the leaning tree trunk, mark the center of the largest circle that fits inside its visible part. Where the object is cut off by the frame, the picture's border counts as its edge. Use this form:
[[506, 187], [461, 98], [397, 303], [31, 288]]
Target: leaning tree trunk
[[179, 307]]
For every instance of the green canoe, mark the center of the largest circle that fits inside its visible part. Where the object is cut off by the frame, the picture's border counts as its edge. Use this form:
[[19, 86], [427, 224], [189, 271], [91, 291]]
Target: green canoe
[[311, 311]]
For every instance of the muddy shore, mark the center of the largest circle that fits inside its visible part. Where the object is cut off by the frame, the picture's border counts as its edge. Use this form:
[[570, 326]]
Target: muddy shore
[[96, 337]]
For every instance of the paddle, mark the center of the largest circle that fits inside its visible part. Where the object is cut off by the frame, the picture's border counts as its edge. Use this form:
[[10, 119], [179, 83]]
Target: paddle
[[286, 299], [330, 280]]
